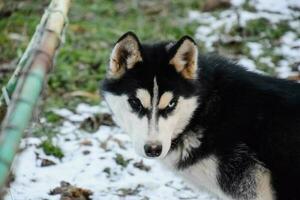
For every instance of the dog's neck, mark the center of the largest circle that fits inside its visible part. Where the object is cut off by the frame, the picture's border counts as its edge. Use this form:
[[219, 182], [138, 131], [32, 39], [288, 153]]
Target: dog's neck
[[185, 145]]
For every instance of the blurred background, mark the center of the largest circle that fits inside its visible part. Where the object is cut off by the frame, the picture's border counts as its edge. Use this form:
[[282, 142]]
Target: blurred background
[[261, 35], [265, 37]]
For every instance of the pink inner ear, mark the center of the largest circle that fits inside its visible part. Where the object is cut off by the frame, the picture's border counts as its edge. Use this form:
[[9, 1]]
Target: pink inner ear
[[185, 60]]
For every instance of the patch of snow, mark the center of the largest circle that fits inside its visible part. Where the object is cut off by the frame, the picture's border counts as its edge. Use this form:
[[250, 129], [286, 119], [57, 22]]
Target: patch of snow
[[237, 2], [267, 61], [276, 5], [290, 46], [284, 69], [85, 108], [248, 64], [67, 114], [255, 49], [213, 27]]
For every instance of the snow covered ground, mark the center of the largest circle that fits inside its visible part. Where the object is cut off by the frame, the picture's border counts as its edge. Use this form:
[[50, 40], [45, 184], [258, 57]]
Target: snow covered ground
[[105, 163], [218, 30]]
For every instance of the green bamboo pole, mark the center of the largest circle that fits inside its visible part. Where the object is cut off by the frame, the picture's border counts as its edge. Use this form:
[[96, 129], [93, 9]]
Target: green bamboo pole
[[11, 84], [29, 85], [19, 120]]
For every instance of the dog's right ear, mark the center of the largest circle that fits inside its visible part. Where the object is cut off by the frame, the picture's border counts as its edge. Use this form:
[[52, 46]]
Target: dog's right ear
[[184, 57], [125, 55]]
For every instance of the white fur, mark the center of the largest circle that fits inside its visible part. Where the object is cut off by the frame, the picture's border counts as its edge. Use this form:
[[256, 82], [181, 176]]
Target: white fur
[[202, 175], [190, 141], [180, 117], [264, 188], [134, 126], [153, 127], [170, 127]]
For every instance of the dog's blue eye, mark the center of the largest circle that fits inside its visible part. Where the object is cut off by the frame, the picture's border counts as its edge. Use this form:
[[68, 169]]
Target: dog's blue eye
[[172, 104], [135, 104], [169, 108]]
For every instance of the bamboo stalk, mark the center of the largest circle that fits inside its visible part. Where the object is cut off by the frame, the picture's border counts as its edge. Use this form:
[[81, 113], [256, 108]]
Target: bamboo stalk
[[37, 62], [11, 85]]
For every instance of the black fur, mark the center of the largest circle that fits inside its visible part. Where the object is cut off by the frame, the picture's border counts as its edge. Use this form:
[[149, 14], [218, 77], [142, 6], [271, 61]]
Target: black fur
[[247, 118], [263, 113]]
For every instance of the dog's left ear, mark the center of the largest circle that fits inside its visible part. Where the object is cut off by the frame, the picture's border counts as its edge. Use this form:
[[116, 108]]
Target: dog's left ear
[[184, 57]]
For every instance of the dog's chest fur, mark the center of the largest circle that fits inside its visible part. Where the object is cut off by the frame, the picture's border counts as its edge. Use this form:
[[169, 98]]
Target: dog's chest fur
[[205, 174], [202, 175]]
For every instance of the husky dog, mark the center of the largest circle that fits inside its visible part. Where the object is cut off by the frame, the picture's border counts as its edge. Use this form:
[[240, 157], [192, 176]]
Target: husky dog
[[233, 132]]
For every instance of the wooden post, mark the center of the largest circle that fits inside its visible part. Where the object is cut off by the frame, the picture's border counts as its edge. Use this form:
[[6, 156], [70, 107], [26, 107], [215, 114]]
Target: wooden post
[[37, 62]]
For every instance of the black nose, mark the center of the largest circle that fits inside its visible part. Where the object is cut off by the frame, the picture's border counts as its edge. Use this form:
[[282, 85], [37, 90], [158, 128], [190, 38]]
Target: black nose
[[153, 149]]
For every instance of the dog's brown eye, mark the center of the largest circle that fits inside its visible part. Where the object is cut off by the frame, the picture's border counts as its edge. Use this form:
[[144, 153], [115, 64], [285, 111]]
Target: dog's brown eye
[[135, 104]]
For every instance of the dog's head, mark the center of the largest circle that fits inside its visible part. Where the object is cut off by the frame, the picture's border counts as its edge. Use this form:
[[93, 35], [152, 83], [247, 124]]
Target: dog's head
[[151, 90]]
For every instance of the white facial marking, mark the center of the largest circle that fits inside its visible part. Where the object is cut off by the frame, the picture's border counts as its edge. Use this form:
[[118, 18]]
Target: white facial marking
[[180, 116], [129, 121], [144, 96], [165, 100], [144, 130], [153, 128], [176, 122]]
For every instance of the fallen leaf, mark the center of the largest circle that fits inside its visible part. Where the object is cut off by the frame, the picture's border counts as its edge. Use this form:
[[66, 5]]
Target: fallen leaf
[[140, 165], [92, 123], [47, 162], [70, 192]]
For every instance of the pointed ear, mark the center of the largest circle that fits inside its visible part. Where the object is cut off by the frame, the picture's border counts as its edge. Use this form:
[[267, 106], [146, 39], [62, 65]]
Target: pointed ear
[[184, 57], [125, 55]]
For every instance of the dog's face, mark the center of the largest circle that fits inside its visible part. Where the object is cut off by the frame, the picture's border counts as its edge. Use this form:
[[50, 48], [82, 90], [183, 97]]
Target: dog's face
[[151, 91]]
